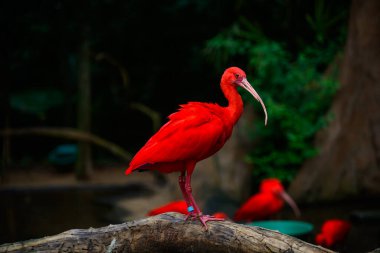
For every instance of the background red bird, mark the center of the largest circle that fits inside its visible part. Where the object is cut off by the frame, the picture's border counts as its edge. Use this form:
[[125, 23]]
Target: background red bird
[[174, 206], [333, 231], [195, 132], [269, 201]]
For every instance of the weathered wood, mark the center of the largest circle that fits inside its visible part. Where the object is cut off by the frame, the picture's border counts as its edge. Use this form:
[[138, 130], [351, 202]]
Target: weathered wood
[[166, 233]]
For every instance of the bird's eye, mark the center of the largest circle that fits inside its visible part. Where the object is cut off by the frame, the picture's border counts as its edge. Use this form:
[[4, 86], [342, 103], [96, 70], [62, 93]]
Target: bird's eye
[[237, 75]]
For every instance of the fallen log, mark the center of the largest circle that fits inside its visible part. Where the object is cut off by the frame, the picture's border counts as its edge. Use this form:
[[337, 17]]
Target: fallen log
[[167, 233]]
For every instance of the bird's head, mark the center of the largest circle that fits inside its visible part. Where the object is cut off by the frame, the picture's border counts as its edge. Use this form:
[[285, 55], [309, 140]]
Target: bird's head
[[236, 77], [274, 186]]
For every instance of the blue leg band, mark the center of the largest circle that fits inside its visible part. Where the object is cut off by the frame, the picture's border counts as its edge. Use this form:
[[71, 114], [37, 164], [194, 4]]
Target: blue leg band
[[190, 209]]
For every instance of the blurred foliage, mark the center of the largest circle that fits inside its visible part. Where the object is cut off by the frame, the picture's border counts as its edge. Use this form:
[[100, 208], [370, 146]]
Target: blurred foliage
[[159, 47], [37, 101], [294, 87], [323, 19]]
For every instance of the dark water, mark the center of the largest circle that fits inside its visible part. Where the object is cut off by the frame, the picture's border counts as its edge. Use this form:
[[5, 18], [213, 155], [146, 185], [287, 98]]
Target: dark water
[[364, 215], [27, 214], [34, 213]]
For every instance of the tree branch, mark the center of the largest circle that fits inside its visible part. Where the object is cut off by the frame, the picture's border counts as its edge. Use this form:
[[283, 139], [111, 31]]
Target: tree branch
[[167, 233], [73, 134]]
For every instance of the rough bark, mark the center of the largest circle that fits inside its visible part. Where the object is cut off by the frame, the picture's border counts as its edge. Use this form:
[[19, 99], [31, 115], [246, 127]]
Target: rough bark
[[166, 233], [349, 159]]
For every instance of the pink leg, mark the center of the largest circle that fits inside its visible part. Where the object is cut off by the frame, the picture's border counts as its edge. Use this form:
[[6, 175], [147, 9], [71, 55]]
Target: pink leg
[[181, 181], [190, 207], [193, 205]]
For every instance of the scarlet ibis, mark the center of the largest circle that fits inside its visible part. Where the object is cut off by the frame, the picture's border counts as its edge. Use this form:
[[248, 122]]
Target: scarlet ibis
[[175, 206], [333, 231], [221, 215], [195, 132], [179, 206], [266, 203]]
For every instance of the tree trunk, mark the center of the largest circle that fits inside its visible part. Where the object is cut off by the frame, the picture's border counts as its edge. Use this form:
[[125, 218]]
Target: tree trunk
[[6, 154], [84, 161], [166, 233], [349, 159]]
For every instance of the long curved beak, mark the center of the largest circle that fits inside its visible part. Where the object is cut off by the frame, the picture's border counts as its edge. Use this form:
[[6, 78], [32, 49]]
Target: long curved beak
[[290, 202], [247, 86]]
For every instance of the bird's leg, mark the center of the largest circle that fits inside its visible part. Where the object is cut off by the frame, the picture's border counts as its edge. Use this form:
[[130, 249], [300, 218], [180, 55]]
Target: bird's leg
[[181, 181], [193, 207], [188, 190]]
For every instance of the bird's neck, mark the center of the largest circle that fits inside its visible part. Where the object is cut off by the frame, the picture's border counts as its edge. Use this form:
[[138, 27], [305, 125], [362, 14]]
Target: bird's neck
[[235, 103]]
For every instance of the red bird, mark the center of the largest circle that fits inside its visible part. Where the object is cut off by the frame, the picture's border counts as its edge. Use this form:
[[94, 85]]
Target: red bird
[[332, 232], [195, 132], [266, 203], [175, 206], [179, 207], [221, 215]]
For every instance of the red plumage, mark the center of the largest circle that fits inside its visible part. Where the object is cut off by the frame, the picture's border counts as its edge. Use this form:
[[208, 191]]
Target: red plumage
[[260, 206], [195, 132], [332, 232], [175, 206], [220, 215], [269, 201]]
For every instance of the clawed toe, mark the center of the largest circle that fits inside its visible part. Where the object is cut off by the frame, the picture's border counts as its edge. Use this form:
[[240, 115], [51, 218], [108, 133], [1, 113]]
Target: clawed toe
[[210, 217], [191, 216], [202, 218], [206, 218]]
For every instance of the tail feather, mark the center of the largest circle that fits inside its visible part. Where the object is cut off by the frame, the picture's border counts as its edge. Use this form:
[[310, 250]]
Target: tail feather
[[134, 167], [129, 170]]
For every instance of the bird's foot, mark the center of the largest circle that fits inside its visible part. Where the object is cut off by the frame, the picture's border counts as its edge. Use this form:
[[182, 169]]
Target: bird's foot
[[205, 218], [202, 218], [191, 216]]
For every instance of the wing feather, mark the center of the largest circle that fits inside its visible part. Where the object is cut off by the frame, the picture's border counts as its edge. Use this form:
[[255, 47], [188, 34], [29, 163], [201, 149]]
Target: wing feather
[[195, 132]]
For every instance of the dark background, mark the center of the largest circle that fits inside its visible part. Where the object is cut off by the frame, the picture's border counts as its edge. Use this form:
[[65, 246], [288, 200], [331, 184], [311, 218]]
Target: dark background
[[160, 44]]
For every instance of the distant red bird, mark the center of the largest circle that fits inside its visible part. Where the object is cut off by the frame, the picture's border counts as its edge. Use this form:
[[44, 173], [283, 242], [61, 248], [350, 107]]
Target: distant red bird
[[195, 132], [179, 207], [266, 203], [175, 206], [220, 215], [332, 232]]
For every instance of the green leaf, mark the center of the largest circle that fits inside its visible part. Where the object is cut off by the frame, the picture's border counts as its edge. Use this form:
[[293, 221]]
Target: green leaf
[[36, 101], [294, 89]]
